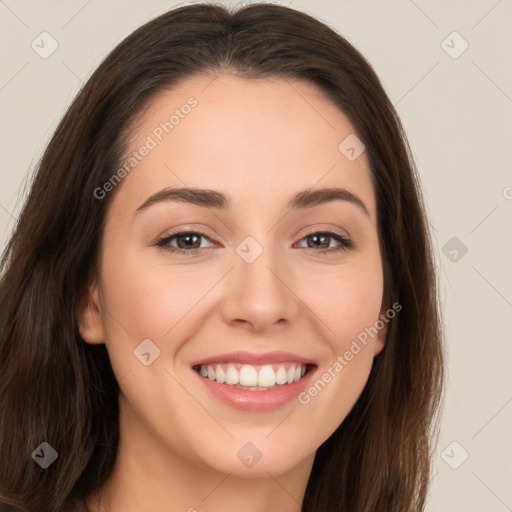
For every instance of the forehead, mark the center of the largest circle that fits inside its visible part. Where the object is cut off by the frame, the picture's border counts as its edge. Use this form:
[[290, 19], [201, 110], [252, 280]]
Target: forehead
[[255, 140]]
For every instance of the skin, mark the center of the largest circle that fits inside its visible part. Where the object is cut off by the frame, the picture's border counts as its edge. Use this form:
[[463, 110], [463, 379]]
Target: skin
[[258, 142]]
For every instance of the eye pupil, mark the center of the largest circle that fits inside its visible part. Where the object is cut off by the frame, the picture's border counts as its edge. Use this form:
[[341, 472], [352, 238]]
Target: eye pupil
[[317, 237], [191, 237]]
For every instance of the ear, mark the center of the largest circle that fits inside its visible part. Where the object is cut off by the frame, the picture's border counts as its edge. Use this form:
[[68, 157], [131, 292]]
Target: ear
[[380, 340], [90, 321]]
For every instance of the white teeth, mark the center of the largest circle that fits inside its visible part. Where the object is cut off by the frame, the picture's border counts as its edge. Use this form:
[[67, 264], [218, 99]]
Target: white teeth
[[281, 375], [266, 376], [232, 375], [249, 377], [220, 374]]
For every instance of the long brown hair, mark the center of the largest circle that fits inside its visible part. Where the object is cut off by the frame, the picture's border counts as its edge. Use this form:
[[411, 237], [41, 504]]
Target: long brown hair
[[55, 388]]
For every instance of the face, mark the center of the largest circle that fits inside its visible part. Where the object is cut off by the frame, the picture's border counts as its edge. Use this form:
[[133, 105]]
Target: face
[[238, 316]]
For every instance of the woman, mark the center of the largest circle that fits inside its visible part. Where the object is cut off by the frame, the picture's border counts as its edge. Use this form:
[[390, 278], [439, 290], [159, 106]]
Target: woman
[[221, 292]]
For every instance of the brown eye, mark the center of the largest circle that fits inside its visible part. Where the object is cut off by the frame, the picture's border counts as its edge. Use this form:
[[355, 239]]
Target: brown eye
[[322, 240], [183, 241], [188, 241]]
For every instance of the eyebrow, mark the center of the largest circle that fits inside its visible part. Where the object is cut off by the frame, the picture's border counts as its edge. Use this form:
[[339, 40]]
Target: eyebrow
[[214, 199]]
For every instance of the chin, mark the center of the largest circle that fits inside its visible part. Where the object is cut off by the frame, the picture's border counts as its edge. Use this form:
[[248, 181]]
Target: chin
[[255, 459]]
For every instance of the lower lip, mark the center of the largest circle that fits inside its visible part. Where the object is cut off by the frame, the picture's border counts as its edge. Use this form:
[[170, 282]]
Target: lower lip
[[257, 400]]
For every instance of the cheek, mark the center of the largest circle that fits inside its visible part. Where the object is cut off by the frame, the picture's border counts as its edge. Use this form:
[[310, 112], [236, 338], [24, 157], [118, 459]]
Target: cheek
[[350, 314], [348, 301], [149, 300]]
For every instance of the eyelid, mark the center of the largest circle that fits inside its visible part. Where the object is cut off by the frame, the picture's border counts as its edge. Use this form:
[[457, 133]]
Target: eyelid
[[311, 229], [163, 240], [202, 230]]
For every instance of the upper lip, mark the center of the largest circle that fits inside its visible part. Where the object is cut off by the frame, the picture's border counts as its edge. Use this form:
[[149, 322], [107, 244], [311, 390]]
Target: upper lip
[[254, 358]]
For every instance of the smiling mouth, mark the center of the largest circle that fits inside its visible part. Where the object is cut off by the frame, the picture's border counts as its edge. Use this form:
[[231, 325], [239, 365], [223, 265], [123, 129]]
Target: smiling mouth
[[254, 377]]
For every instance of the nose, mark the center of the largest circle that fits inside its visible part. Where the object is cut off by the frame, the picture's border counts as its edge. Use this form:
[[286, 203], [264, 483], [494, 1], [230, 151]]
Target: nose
[[259, 296]]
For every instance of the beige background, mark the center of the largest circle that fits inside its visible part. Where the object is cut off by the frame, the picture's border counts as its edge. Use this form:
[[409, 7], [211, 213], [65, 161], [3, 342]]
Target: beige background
[[458, 115]]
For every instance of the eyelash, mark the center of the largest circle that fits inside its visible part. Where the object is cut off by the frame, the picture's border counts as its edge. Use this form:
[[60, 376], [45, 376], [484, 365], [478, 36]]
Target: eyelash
[[345, 243]]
